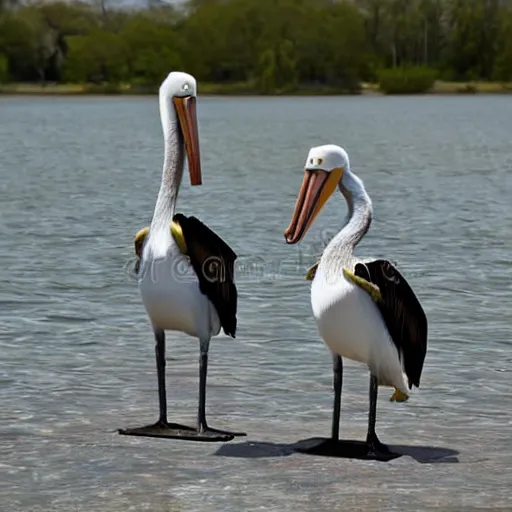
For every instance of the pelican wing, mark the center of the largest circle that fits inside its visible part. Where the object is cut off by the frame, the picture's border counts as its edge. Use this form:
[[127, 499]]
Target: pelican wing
[[213, 262], [404, 317]]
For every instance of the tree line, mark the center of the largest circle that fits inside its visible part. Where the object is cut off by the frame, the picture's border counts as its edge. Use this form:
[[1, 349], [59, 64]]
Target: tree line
[[267, 45]]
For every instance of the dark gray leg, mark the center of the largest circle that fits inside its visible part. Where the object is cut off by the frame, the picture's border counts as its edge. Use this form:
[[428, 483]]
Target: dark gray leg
[[162, 428], [337, 384], [160, 368], [203, 372], [374, 445], [202, 425], [333, 447]]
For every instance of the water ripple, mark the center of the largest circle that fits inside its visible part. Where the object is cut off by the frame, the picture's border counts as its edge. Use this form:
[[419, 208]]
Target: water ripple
[[77, 350]]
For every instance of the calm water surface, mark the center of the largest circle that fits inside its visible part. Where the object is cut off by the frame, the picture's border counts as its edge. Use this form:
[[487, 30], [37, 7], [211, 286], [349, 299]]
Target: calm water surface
[[79, 177]]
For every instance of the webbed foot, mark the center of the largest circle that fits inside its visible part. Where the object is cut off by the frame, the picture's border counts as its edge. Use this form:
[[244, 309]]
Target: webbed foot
[[167, 430], [376, 449], [206, 430]]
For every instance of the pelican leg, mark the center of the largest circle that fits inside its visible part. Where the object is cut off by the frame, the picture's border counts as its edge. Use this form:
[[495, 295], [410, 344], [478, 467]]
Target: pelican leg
[[162, 428], [333, 446], [337, 384], [202, 425], [375, 447]]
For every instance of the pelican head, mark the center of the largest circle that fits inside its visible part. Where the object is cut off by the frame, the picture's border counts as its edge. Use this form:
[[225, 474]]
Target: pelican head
[[323, 171], [178, 93]]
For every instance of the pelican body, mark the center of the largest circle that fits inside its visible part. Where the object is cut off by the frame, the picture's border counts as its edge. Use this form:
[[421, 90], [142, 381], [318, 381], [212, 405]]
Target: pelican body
[[365, 310], [185, 271]]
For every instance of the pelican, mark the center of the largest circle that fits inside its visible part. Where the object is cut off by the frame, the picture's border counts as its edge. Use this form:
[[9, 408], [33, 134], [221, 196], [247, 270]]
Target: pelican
[[365, 310], [185, 271]]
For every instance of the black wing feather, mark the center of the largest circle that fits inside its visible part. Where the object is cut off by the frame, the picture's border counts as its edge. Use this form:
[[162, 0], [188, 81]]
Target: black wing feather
[[213, 262], [404, 317]]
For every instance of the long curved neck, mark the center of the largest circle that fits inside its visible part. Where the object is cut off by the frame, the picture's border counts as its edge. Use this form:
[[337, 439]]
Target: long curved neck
[[174, 156], [341, 248]]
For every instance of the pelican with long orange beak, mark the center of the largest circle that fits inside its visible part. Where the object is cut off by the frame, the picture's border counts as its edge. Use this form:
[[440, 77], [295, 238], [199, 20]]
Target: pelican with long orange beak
[[185, 271], [365, 310]]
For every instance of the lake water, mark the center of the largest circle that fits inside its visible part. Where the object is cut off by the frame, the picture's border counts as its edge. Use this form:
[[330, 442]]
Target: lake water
[[79, 177]]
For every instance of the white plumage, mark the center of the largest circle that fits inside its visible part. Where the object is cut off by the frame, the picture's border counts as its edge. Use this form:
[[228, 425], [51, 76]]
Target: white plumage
[[170, 292], [351, 325]]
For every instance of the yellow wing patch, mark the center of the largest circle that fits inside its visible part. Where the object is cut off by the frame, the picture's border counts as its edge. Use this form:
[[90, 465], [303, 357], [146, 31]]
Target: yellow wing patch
[[368, 287], [311, 272], [177, 234], [138, 242]]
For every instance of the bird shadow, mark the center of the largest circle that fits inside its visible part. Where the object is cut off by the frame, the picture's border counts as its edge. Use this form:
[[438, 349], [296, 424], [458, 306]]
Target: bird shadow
[[325, 447]]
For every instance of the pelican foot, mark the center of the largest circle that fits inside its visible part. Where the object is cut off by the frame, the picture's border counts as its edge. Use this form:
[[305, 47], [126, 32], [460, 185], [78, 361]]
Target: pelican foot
[[346, 449], [377, 450], [176, 431], [215, 431]]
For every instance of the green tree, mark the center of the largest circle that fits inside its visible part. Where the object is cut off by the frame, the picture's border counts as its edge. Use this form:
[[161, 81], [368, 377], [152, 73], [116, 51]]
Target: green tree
[[339, 45], [153, 49], [503, 64], [26, 44], [4, 71], [287, 66], [272, 45], [267, 72], [97, 57], [472, 38]]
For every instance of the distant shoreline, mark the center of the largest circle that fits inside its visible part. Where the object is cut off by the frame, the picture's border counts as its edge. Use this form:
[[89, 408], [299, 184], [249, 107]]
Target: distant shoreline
[[208, 89]]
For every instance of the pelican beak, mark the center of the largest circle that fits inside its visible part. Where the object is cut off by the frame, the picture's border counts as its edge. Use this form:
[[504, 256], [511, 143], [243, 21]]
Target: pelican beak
[[187, 116], [317, 187]]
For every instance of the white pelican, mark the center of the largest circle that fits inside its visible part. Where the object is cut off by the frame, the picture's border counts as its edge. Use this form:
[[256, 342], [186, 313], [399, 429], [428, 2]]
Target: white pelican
[[185, 271], [364, 310]]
